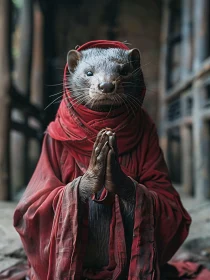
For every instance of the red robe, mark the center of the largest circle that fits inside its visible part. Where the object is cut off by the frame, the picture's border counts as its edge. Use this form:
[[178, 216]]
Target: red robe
[[53, 222]]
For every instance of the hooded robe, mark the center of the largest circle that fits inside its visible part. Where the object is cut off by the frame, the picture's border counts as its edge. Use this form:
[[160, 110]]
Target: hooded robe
[[51, 219]]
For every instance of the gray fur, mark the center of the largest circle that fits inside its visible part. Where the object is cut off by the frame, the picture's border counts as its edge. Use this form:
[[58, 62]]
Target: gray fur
[[97, 254], [106, 64]]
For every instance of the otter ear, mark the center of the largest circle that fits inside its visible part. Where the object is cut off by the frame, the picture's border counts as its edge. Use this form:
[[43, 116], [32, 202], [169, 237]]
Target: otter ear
[[135, 58], [73, 58]]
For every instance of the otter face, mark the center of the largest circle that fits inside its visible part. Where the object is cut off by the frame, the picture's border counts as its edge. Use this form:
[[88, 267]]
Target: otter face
[[105, 78]]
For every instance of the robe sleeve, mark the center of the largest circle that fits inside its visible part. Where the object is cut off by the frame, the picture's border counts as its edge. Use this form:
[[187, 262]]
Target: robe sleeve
[[171, 220], [47, 213]]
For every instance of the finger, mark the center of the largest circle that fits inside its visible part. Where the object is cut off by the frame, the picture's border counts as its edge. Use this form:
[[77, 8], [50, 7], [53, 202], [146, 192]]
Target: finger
[[100, 142], [98, 137], [109, 132], [102, 157], [109, 171], [104, 138], [110, 135], [110, 161], [95, 149], [113, 143]]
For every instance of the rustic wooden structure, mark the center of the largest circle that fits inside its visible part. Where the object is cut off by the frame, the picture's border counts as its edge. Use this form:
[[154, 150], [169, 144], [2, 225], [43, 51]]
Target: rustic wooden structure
[[5, 94], [21, 90], [185, 94], [35, 36]]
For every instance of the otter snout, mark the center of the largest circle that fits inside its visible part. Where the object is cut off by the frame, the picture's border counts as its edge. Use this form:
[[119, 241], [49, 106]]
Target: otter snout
[[106, 87]]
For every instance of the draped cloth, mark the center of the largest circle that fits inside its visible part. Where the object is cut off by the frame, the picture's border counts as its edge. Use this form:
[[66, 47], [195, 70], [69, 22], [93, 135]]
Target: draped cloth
[[52, 220]]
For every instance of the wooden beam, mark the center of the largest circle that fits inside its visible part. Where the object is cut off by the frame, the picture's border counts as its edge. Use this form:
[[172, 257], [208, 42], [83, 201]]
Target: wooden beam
[[5, 99], [206, 158], [23, 65], [176, 91], [200, 154], [205, 114], [28, 131], [37, 74], [179, 122], [186, 46], [200, 52], [201, 10], [187, 172], [23, 77], [163, 79], [21, 102]]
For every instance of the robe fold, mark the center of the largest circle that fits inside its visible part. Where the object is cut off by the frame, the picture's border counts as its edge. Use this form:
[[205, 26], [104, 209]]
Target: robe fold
[[53, 221]]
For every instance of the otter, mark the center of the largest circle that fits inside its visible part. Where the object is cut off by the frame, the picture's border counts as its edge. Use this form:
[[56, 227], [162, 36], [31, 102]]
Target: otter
[[100, 198], [103, 80]]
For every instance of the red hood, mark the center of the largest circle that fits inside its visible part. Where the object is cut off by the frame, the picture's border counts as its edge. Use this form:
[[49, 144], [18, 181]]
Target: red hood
[[79, 125]]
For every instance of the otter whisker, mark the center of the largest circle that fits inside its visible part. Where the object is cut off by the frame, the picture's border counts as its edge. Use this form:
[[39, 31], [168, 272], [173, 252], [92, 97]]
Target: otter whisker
[[130, 61], [124, 103], [110, 110], [132, 106], [91, 102], [136, 71], [78, 90], [77, 103], [79, 100], [60, 92], [130, 101], [52, 102], [134, 102], [55, 85], [134, 98]]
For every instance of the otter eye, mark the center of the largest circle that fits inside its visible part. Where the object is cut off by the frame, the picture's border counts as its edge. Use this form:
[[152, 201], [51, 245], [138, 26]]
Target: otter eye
[[124, 72], [89, 73]]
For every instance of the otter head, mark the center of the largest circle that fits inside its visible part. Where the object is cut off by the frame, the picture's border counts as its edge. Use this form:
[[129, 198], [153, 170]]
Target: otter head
[[102, 79]]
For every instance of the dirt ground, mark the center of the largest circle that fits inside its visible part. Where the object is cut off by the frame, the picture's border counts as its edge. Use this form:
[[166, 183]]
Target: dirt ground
[[196, 247]]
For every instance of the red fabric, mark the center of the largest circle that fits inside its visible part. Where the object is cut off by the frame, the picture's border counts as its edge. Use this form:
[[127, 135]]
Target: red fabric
[[80, 126], [103, 44], [52, 221], [173, 271]]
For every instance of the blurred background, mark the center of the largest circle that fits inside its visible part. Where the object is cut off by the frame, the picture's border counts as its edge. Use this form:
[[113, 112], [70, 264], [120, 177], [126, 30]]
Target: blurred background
[[35, 36], [174, 39]]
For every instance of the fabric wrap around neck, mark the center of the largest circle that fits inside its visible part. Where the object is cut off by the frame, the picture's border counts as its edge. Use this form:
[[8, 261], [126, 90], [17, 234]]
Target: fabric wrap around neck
[[79, 125]]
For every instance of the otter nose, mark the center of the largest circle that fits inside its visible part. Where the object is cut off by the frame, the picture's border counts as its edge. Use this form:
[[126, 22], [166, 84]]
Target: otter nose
[[106, 87]]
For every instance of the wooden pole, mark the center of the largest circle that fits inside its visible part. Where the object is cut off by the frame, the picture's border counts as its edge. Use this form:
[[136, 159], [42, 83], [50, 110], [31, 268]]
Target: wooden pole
[[200, 154], [201, 26], [23, 66], [37, 80], [187, 172], [22, 84], [37, 74], [5, 98], [163, 82], [186, 46], [200, 49]]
